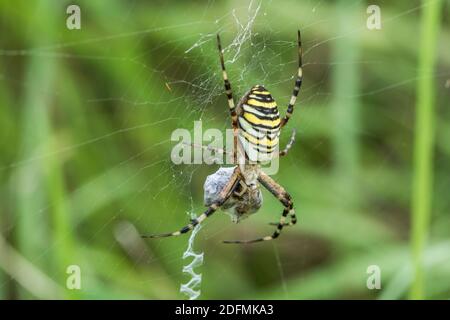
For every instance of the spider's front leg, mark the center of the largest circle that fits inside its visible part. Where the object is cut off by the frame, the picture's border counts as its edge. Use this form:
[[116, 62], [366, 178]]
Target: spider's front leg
[[279, 192], [226, 192], [231, 105], [284, 197]]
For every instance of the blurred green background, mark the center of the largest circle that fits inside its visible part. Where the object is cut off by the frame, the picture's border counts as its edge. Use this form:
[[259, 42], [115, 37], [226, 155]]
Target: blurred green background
[[86, 118]]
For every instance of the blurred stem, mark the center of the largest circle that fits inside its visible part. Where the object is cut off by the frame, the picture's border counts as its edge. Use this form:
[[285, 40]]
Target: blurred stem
[[31, 229], [423, 143], [26, 273], [7, 127], [345, 81], [40, 181], [63, 242]]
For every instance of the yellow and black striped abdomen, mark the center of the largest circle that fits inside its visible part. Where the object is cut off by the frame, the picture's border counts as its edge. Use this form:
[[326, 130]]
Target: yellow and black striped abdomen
[[259, 124]]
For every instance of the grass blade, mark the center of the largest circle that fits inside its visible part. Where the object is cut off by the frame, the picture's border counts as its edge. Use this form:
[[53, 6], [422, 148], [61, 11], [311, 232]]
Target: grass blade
[[423, 144]]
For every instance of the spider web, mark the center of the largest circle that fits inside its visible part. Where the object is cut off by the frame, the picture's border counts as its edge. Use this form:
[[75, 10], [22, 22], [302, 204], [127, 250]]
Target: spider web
[[191, 88]]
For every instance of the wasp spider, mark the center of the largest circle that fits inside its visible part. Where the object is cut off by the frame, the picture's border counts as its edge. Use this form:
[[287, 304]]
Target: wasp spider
[[256, 126]]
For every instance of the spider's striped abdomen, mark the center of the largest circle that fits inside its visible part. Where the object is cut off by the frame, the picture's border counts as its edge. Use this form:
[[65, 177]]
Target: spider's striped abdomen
[[259, 124]]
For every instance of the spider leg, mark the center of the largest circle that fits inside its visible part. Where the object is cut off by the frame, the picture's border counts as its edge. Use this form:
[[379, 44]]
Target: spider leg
[[223, 196], [289, 145], [229, 93], [298, 84], [208, 147], [211, 209], [279, 192], [218, 151]]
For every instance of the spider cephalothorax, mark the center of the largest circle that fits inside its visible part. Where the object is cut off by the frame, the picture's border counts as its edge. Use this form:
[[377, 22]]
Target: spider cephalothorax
[[256, 126]]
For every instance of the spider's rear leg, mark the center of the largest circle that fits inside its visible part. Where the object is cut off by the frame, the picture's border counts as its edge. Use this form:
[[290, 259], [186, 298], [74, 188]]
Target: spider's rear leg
[[223, 196], [286, 224], [279, 192], [286, 200], [289, 144], [231, 105]]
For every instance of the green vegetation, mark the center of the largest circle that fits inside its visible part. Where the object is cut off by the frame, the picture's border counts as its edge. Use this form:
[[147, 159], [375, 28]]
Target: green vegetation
[[424, 142], [86, 118]]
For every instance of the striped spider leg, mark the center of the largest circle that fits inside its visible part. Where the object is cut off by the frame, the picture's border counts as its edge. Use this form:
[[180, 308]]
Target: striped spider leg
[[289, 145], [217, 150], [226, 192], [231, 105]]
